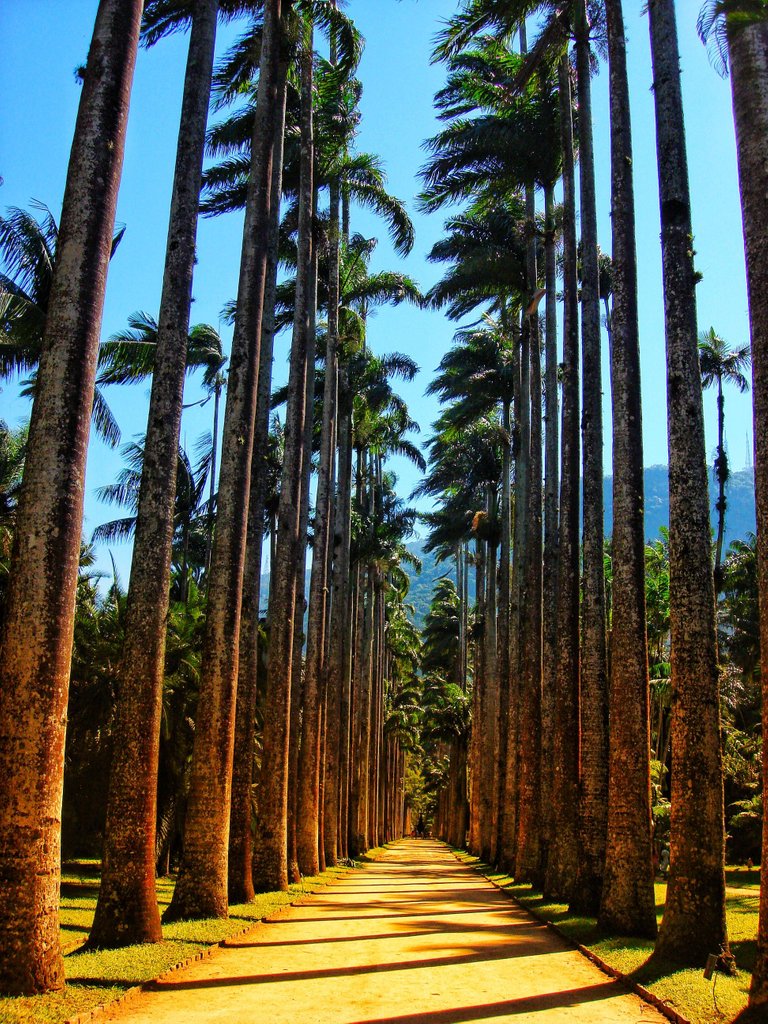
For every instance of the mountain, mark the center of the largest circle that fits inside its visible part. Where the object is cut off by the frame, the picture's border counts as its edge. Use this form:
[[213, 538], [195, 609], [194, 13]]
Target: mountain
[[739, 521]]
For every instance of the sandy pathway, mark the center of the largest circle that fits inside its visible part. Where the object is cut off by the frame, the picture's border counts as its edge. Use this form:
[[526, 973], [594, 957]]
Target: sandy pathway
[[416, 938]]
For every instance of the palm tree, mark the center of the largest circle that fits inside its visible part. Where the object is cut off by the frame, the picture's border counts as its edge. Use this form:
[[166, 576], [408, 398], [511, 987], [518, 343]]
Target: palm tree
[[694, 919], [271, 841], [202, 887], [720, 363], [36, 650], [126, 911], [627, 905], [28, 251], [743, 29]]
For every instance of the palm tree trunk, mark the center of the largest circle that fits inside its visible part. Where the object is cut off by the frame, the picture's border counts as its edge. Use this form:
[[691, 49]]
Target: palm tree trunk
[[270, 846], [309, 765], [127, 911], [748, 56], [489, 780], [503, 624], [528, 859], [562, 860], [551, 487], [340, 626], [594, 684], [240, 860], [218, 386], [201, 890], [694, 919], [38, 627], [721, 464], [628, 902]]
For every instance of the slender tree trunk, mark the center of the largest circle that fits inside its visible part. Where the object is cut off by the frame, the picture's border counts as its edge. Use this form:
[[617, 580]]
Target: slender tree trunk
[[489, 780], [127, 911], [36, 641], [309, 766], [721, 472], [520, 459], [694, 920], [240, 862], [339, 635], [551, 487], [270, 846], [218, 387], [748, 55], [502, 629], [628, 901], [528, 860], [593, 806], [562, 862]]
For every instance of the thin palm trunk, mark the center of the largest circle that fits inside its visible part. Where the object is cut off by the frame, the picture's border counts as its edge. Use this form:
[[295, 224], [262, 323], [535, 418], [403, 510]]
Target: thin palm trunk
[[562, 861], [694, 918], [528, 857], [309, 765], [201, 889], [551, 486], [38, 627], [218, 386], [593, 807], [748, 57], [270, 846], [339, 633], [489, 780], [127, 911], [628, 900], [240, 860]]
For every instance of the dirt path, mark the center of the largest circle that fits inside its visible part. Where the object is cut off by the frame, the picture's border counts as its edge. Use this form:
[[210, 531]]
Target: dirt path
[[416, 938]]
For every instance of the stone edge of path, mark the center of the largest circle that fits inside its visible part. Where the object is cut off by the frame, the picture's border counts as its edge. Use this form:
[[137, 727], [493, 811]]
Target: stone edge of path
[[96, 1013], [612, 972]]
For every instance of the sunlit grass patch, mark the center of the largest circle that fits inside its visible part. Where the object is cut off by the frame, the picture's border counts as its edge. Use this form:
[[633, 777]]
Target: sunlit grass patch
[[686, 989], [101, 976]]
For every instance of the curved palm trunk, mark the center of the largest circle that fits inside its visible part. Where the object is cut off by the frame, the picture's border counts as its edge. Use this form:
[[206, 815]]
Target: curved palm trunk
[[594, 684], [36, 640], [562, 860], [127, 911], [748, 56], [628, 902], [201, 890], [240, 858], [270, 844], [694, 919]]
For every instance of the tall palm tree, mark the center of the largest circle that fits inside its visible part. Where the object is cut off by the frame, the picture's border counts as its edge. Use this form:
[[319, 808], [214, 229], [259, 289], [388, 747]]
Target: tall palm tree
[[628, 904], [36, 647], [126, 911], [742, 30], [694, 919], [721, 364], [201, 890]]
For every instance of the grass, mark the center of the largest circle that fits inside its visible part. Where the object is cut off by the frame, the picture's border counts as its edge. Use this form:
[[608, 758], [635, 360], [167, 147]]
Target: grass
[[686, 990], [104, 975]]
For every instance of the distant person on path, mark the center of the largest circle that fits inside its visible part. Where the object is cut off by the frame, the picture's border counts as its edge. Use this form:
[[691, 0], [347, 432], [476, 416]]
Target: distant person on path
[[420, 827], [664, 862]]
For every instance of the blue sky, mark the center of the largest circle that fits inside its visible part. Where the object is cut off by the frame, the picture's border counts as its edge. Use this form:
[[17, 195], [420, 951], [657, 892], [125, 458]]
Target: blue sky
[[45, 40]]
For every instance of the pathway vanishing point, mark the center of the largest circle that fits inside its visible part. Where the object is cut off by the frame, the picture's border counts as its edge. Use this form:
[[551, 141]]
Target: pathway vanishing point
[[415, 938]]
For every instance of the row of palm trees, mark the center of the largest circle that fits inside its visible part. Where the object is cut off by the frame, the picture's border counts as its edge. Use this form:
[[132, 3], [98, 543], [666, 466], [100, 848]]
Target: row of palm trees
[[560, 759], [327, 704]]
